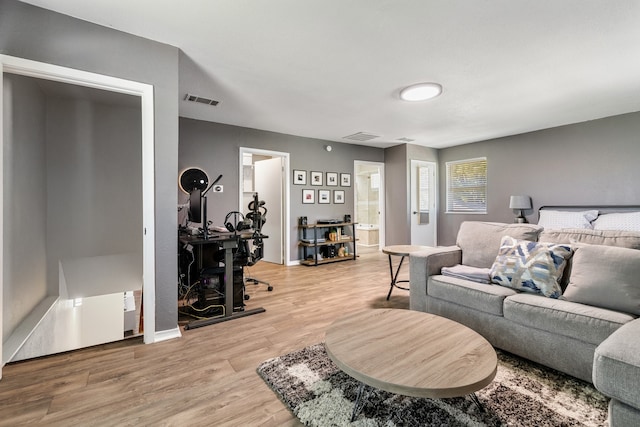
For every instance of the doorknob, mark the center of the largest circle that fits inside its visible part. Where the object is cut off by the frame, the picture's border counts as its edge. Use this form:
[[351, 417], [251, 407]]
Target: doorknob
[[415, 213]]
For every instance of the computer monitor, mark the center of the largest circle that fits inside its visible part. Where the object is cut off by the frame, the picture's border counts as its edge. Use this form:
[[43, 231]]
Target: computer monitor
[[195, 205]]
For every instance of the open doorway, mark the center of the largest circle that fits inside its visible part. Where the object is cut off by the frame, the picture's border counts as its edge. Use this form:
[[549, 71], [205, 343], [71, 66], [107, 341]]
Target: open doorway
[[267, 173], [369, 205], [77, 228]]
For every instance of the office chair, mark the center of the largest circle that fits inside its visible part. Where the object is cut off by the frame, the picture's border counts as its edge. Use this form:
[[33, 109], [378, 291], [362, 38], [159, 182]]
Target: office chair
[[251, 256], [257, 216]]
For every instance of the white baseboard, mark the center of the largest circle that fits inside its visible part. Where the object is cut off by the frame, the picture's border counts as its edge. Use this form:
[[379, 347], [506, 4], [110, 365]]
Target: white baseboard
[[169, 334]]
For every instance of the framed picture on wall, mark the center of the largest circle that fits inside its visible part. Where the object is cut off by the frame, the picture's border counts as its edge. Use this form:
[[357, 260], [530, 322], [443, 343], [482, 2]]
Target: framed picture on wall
[[308, 196], [324, 196], [332, 179], [316, 178], [345, 180], [338, 196], [299, 177]]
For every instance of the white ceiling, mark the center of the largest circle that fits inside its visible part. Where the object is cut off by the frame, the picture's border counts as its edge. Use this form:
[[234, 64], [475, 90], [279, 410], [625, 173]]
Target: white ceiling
[[327, 69]]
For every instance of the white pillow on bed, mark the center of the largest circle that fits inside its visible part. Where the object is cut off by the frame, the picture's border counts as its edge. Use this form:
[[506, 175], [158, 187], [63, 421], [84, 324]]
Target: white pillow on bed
[[551, 219], [627, 221]]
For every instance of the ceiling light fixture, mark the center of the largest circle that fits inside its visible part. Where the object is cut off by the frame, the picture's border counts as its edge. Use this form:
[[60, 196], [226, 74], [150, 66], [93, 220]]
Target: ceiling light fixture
[[420, 92]]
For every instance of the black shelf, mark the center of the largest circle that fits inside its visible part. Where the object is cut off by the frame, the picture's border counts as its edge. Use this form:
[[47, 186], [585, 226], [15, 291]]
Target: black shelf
[[309, 240]]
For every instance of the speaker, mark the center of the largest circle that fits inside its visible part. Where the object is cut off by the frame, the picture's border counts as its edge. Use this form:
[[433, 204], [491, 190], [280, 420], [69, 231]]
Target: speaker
[[347, 218]]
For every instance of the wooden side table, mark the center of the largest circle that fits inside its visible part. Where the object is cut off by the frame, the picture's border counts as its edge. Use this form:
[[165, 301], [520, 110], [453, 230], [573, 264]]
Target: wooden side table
[[401, 251]]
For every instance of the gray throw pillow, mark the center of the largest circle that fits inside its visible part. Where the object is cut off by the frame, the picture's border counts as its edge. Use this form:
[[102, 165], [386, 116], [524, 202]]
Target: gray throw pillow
[[606, 277], [480, 241]]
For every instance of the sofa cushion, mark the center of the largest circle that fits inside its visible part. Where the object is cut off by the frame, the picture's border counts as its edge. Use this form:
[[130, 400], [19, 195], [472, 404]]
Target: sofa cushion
[[616, 365], [531, 266], [481, 297], [625, 239], [605, 276], [570, 319], [480, 241], [552, 219]]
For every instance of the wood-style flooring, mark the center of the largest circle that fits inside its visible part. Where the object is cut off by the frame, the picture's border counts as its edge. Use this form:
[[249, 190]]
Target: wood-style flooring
[[208, 376]]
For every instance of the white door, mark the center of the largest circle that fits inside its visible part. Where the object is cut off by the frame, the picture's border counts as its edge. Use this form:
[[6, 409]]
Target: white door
[[269, 186], [423, 203]]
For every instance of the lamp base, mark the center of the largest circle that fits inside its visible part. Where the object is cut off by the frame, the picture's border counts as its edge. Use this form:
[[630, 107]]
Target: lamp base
[[520, 220]]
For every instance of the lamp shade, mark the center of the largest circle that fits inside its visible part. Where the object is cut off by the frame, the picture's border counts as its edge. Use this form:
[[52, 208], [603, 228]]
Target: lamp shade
[[520, 202]]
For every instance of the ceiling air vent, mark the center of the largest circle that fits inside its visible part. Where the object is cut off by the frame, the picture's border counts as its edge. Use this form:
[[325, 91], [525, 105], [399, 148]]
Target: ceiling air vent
[[361, 136], [405, 139], [200, 99]]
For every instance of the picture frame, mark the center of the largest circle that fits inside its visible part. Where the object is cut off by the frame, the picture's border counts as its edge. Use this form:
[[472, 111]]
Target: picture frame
[[338, 197], [308, 196], [316, 178], [324, 196], [345, 180], [299, 177], [332, 179]]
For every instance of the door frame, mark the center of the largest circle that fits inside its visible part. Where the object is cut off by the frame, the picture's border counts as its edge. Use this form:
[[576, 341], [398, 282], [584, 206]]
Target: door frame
[[286, 202], [381, 198], [40, 70], [412, 193]]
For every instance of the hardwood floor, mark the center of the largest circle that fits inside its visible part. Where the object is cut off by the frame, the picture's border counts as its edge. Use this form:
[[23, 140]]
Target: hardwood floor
[[208, 376]]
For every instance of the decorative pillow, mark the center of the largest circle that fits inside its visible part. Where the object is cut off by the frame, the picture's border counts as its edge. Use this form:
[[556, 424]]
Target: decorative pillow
[[628, 221], [551, 219], [624, 239], [606, 277], [531, 266]]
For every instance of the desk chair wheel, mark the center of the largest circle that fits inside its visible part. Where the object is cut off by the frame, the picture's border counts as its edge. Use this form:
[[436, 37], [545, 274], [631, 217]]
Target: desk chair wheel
[[269, 288], [246, 297]]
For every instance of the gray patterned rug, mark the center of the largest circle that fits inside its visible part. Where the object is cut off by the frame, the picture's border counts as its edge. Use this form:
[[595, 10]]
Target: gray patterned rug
[[522, 394]]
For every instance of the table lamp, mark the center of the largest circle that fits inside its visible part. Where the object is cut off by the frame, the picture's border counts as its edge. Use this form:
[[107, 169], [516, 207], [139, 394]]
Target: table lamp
[[520, 203]]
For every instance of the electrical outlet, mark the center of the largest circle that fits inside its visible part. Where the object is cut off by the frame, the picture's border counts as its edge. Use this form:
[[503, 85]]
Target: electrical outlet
[[217, 189]]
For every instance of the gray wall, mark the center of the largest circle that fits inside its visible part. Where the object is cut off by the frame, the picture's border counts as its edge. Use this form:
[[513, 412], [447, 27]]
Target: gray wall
[[591, 163], [24, 203], [37, 34], [397, 161], [215, 148]]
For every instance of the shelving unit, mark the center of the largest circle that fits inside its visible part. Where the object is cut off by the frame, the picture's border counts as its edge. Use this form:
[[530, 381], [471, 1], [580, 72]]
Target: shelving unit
[[311, 233]]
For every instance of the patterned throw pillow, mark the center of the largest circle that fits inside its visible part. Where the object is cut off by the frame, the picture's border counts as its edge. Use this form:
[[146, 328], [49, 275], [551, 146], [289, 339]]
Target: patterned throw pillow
[[531, 266]]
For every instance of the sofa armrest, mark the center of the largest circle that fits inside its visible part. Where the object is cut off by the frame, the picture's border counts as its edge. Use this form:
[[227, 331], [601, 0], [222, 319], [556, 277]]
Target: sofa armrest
[[428, 263], [616, 365]]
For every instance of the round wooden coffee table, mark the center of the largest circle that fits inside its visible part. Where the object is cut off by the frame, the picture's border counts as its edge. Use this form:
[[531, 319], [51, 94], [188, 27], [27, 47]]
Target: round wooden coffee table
[[411, 353]]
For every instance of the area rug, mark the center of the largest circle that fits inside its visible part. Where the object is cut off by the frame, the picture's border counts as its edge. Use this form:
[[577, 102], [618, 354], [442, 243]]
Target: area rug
[[522, 394]]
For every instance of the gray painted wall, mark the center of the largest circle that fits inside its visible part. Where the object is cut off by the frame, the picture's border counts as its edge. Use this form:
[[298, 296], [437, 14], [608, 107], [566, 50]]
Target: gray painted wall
[[398, 189], [24, 204], [215, 148], [591, 163], [33, 33]]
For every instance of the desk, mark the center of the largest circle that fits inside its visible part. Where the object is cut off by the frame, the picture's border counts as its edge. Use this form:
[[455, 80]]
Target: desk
[[228, 242], [401, 251]]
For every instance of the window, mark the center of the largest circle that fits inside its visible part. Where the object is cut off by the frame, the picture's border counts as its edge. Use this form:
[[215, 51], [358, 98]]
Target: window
[[467, 186]]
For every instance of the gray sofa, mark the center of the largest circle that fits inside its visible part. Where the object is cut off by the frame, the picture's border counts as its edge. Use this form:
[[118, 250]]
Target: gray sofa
[[591, 332]]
